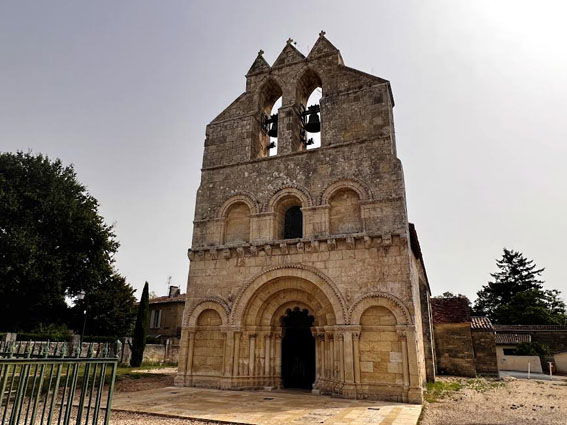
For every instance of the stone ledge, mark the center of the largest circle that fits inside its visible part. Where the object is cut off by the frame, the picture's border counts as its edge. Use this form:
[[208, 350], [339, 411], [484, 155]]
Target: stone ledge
[[295, 246]]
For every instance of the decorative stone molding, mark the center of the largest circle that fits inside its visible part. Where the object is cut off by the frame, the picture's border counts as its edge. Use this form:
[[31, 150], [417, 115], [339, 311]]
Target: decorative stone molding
[[245, 197], [313, 244], [289, 190], [383, 299], [364, 192], [316, 277], [215, 303]]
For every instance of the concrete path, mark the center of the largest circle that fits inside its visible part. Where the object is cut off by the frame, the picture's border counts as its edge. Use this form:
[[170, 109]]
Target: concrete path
[[524, 375], [265, 407]]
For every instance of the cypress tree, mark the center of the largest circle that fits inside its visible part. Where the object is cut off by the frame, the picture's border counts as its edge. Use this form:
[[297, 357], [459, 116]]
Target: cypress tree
[[141, 329]]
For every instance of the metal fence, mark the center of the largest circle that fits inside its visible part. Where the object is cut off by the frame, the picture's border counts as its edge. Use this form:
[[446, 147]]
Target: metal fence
[[54, 385]]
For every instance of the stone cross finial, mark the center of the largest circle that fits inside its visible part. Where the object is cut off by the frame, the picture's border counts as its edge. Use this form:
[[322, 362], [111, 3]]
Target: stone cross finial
[[289, 40], [322, 33], [261, 52]]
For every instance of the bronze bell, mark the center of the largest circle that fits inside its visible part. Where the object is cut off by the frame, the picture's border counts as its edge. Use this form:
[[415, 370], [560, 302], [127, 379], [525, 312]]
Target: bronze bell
[[273, 131], [314, 124]]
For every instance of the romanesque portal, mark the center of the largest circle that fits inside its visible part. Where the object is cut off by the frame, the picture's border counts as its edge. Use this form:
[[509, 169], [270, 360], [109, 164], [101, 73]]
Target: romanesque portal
[[305, 272]]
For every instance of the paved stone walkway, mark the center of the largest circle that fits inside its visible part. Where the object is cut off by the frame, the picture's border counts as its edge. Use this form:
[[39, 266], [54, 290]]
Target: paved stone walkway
[[265, 407]]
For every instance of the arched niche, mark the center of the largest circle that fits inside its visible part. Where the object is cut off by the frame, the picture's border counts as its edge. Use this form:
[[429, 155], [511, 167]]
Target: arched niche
[[344, 212], [208, 350], [237, 223]]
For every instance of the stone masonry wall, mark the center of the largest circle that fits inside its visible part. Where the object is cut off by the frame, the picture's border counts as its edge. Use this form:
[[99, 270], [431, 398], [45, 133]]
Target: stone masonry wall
[[454, 349]]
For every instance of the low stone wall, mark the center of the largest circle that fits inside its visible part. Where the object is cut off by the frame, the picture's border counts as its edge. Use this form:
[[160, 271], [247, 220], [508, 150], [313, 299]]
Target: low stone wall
[[520, 363], [560, 360], [454, 349], [484, 344]]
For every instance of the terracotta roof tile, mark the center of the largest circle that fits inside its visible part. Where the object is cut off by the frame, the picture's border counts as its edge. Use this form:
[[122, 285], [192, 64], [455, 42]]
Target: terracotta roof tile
[[512, 338], [481, 323], [167, 299]]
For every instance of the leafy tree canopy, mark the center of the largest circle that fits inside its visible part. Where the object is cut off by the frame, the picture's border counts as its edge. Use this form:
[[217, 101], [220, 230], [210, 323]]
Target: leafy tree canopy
[[516, 295], [53, 242]]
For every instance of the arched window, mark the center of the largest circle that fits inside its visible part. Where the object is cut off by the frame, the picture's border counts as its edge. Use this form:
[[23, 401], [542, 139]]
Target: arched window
[[312, 120], [344, 214], [270, 100], [293, 223], [237, 223], [289, 218], [309, 94], [272, 147]]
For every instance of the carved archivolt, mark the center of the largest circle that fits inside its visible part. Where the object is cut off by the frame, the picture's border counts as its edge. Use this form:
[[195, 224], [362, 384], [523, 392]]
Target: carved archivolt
[[362, 189], [310, 274], [246, 198], [290, 190], [380, 299], [212, 303]]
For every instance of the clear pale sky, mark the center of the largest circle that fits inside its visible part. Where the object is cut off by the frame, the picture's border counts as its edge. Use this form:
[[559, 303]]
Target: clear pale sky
[[123, 90]]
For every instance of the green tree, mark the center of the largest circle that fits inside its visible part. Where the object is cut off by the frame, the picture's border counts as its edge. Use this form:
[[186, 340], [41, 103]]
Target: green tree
[[53, 241], [516, 294], [141, 328], [109, 308]]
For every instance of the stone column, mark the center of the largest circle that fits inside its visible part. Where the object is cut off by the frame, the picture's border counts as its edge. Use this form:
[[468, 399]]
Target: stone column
[[415, 392], [189, 368], [267, 347], [348, 356], [356, 354], [278, 359], [236, 361], [229, 353], [252, 354], [341, 356]]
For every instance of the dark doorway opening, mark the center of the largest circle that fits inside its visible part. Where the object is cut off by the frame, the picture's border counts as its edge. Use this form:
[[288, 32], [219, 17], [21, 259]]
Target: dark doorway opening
[[293, 223], [298, 349]]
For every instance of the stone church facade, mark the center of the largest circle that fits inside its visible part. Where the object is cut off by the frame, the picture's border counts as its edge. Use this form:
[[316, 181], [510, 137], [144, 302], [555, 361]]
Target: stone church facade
[[304, 269]]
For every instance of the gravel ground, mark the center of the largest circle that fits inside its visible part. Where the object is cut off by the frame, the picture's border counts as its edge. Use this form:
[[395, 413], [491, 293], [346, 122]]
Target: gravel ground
[[517, 402], [126, 418]]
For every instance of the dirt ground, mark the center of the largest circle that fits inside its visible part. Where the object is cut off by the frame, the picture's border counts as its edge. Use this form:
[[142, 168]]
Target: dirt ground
[[512, 402]]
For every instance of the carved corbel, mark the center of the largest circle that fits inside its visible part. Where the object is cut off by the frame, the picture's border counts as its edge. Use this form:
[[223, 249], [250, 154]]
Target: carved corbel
[[190, 254], [226, 253], [367, 242], [268, 249], [283, 248], [213, 253], [331, 244], [350, 244], [253, 250], [300, 247]]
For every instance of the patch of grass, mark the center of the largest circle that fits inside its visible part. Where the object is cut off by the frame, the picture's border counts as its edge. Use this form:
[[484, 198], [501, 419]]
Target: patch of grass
[[443, 388], [440, 389]]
